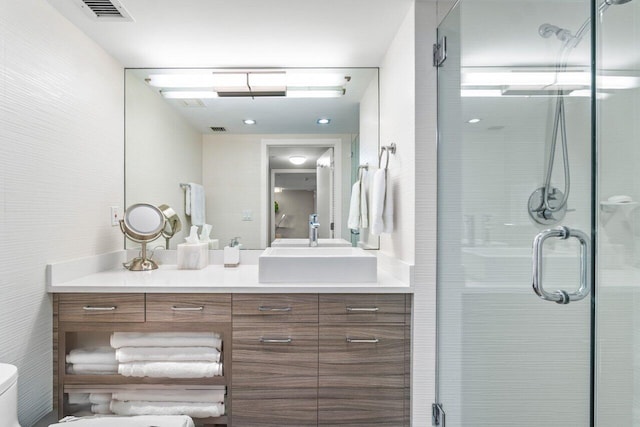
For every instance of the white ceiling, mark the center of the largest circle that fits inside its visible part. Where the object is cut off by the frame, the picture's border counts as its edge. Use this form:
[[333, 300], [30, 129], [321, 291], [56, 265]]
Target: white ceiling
[[246, 33]]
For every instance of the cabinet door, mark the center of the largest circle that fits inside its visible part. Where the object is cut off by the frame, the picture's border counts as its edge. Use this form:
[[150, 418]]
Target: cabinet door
[[361, 407], [250, 308], [188, 307], [362, 308], [269, 356], [101, 307], [275, 407]]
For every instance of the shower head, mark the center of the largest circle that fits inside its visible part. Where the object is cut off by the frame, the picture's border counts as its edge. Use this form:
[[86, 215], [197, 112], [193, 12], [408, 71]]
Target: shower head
[[612, 2]]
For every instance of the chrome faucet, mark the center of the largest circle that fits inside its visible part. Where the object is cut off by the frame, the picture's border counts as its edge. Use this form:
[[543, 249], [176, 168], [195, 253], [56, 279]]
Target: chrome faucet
[[313, 230]]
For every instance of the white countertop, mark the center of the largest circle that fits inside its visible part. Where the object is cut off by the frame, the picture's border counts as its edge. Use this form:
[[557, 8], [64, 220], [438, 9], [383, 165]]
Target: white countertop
[[105, 274]]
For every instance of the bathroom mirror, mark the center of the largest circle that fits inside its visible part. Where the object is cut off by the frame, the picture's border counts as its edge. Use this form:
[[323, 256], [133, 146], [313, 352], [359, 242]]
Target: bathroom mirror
[[192, 125]]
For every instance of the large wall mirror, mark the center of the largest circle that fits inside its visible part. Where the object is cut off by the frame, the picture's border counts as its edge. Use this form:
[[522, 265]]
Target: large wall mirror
[[268, 146]]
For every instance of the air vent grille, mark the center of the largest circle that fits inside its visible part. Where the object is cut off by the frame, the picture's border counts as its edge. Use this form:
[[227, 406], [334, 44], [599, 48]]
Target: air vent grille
[[218, 128], [105, 10]]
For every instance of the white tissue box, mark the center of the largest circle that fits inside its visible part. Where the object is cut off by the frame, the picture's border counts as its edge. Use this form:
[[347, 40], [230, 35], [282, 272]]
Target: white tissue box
[[193, 256]]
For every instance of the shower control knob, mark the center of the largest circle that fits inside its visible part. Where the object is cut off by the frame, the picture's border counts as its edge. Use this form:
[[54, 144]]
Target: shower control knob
[[550, 214]]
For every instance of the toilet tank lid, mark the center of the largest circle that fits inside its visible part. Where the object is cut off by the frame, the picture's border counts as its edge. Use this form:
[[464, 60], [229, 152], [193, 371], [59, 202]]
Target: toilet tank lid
[[8, 376]]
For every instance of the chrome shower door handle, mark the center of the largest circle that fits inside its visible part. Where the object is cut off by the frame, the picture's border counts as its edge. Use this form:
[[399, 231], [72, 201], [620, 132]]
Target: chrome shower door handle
[[561, 296]]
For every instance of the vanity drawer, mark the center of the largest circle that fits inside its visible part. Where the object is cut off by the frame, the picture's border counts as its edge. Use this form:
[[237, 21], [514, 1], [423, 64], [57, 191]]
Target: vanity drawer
[[275, 408], [348, 308], [101, 307], [361, 407], [275, 308], [275, 356], [188, 307], [362, 356]]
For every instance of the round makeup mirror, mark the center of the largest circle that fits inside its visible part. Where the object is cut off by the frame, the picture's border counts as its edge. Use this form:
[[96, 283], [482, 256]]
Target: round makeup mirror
[[142, 223], [173, 223]]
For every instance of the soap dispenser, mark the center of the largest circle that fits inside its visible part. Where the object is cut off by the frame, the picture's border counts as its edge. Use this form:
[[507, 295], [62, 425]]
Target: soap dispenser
[[232, 253]]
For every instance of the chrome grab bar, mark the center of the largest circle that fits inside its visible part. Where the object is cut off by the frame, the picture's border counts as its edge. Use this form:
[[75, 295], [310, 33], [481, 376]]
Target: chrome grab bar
[[560, 296]]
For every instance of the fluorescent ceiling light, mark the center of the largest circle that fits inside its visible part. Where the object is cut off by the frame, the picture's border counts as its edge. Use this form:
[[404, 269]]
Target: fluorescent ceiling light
[[277, 189], [480, 93], [314, 92], [323, 121], [474, 121], [297, 160], [268, 79], [189, 94], [316, 79], [249, 122], [181, 80]]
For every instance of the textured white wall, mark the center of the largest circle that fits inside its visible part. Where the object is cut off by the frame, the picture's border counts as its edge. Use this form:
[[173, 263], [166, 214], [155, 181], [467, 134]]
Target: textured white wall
[[397, 124], [162, 151], [61, 148]]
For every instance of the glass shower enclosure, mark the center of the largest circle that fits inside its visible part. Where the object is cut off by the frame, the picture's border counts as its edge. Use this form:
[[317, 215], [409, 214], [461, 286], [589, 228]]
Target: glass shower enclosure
[[538, 215]]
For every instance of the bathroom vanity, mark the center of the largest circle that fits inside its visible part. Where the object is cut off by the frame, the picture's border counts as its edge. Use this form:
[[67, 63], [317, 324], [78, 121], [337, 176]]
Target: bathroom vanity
[[297, 355]]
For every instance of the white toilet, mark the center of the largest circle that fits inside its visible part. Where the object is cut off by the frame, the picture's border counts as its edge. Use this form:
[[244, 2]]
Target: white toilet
[[8, 396]]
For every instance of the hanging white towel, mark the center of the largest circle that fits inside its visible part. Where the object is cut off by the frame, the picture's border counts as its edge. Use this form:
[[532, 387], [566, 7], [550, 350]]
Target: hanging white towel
[[354, 207], [170, 369], [165, 339], [194, 203], [203, 396], [102, 355], [138, 421], [381, 204], [197, 410], [167, 354]]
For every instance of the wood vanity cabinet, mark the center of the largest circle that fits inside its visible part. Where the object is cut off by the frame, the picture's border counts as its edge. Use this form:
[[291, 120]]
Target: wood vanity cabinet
[[288, 359]]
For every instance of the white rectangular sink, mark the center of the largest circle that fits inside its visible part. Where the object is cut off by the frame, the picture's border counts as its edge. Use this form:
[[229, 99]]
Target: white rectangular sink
[[317, 265], [323, 243]]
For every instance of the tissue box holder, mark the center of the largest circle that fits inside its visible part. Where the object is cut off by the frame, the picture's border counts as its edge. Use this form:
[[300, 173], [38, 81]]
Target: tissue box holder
[[193, 256]]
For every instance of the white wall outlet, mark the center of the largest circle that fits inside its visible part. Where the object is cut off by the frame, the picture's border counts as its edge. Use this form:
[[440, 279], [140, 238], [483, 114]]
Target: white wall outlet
[[116, 215], [247, 215]]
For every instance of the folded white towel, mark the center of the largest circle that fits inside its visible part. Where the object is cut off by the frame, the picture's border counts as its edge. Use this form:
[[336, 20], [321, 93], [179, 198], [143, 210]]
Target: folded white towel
[[101, 408], [167, 354], [193, 396], [381, 204], [197, 410], [103, 355], [195, 203], [165, 339], [78, 398], [170, 369], [138, 421], [98, 398], [80, 369]]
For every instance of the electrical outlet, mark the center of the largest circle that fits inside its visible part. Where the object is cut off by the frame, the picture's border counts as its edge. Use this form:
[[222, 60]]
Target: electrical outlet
[[247, 215], [115, 215]]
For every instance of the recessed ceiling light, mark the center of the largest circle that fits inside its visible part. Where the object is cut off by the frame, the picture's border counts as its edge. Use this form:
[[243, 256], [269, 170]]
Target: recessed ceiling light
[[323, 121], [297, 160], [249, 122], [473, 121]]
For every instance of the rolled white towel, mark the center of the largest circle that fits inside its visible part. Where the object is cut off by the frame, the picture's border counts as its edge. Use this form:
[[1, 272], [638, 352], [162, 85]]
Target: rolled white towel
[[78, 398], [209, 396], [101, 408], [136, 421], [170, 369], [167, 354], [197, 410], [92, 370], [98, 398], [101, 355], [165, 339]]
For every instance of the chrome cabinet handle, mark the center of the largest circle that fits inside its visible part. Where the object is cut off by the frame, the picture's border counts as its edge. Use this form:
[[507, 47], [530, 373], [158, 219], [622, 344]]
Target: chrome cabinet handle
[[264, 340], [363, 341], [561, 296], [362, 309], [92, 308], [274, 309], [176, 308]]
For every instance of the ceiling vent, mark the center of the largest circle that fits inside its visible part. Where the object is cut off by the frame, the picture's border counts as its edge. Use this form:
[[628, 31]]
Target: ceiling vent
[[218, 128], [105, 10]]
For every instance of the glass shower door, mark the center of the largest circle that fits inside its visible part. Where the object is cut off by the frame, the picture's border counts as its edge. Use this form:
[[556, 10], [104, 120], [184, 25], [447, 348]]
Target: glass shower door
[[514, 160]]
